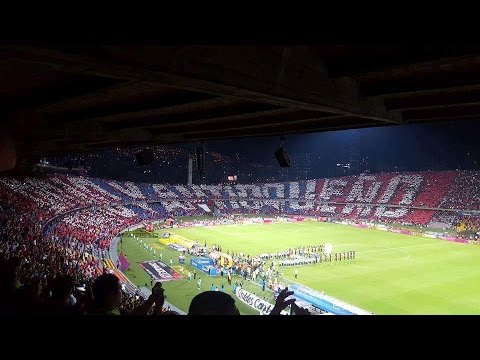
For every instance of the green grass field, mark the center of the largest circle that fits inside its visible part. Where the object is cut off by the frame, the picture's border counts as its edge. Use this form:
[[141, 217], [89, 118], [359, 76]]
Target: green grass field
[[392, 273]]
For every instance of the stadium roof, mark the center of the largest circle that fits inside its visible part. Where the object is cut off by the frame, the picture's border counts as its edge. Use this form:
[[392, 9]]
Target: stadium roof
[[78, 98]]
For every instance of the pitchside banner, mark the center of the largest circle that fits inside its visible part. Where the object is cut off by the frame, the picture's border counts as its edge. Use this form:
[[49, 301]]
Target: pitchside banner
[[204, 264], [255, 302], [160, 271], [201, 263], [325, 302]]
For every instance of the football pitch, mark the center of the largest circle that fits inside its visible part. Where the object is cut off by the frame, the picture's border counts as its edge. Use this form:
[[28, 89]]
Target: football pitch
[[392, 273]]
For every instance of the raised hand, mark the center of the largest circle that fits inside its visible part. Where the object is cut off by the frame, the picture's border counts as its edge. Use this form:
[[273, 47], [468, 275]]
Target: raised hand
[[280, 303]]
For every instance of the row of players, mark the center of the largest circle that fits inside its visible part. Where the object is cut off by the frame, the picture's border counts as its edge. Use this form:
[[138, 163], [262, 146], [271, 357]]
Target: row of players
[[319, 258]]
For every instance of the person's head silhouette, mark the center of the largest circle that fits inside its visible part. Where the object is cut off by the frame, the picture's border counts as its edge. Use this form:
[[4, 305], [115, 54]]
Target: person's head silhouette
[[213, 303], [107, 293]]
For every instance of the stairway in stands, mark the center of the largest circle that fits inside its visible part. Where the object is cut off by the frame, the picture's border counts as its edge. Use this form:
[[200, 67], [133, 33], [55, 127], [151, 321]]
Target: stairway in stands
[[109, 266]]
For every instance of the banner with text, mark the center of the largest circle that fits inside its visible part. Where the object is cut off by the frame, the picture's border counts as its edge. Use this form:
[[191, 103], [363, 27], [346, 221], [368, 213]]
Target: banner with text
[[160, 271], [255, 302], [204, 264]]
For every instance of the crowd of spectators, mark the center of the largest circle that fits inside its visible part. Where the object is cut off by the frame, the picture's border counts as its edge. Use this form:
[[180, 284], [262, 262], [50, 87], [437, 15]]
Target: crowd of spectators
[[59, 295], [53, 195], [62, 225], [464, 193]]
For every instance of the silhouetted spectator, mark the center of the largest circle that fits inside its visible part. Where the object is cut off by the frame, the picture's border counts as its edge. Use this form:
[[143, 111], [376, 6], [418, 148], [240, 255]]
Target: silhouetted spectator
[[62, 301], [107, 298], [9, 281], [213, 303]]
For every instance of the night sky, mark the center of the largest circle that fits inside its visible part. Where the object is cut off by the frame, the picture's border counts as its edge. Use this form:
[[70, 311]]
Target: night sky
[[437, 146], [447, 145]]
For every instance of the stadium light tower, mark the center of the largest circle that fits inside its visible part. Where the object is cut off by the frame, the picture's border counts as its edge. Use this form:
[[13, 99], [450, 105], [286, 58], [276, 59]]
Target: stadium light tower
[[353, 153], [190, 170], [200, 160]]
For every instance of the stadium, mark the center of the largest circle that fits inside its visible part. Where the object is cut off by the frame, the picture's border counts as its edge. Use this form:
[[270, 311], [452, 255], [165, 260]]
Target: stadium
[[275, 233], [176, 229]]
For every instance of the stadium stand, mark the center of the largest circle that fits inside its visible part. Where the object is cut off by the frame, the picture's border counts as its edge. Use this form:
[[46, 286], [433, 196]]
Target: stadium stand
[[417, 196], [71, 220]]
